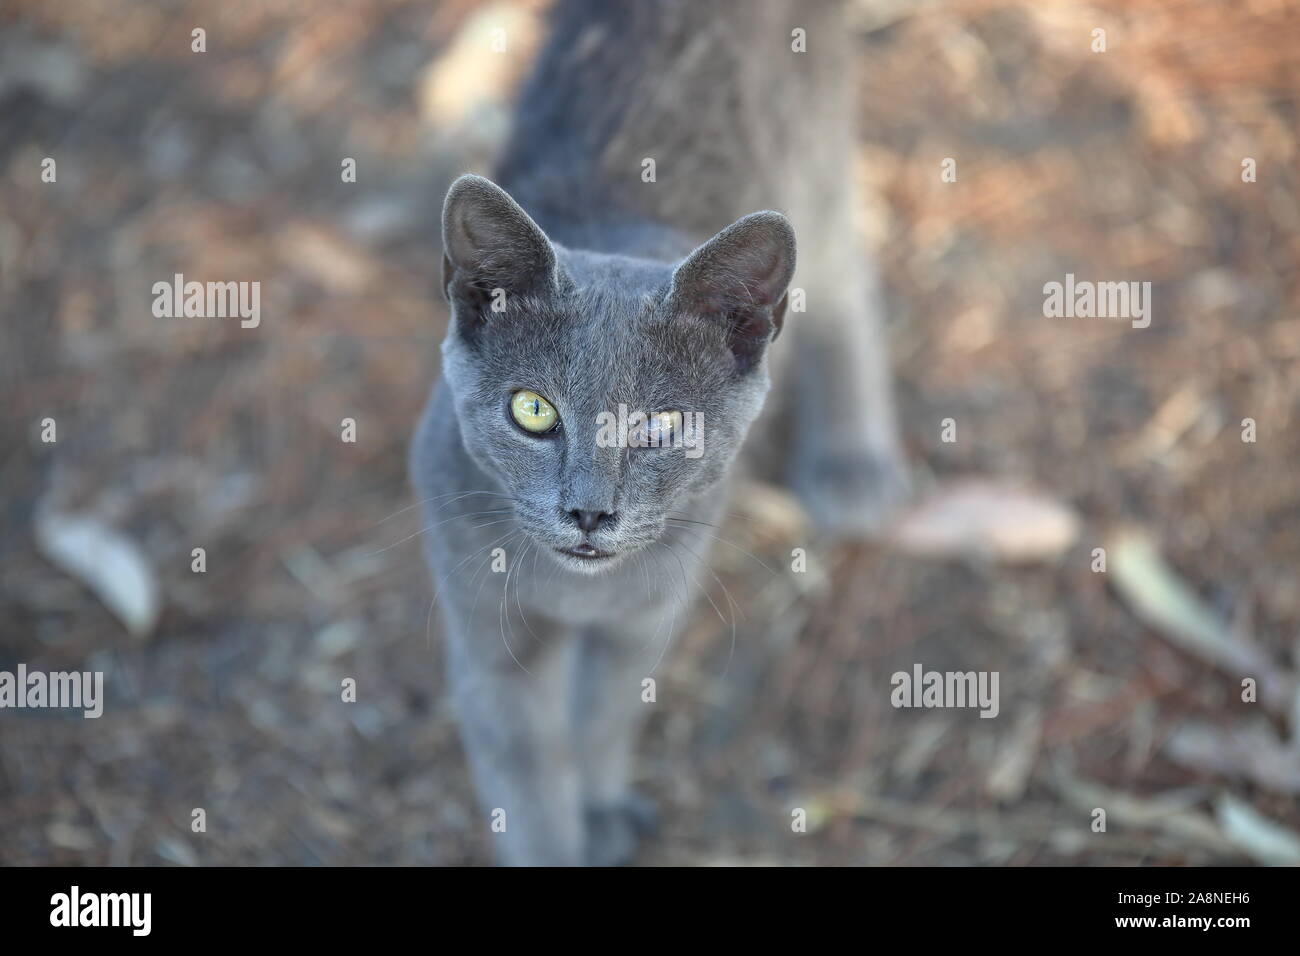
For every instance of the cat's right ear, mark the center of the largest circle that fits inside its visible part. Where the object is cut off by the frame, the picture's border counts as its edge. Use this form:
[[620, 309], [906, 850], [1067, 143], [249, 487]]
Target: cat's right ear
[[491, 249]]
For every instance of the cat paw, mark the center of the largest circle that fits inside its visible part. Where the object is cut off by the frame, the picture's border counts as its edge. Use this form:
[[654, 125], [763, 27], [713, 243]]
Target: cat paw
[[853, 494], [614, 832]]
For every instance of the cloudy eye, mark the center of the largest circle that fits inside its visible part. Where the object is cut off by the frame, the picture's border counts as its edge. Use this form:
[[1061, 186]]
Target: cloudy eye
[[657, 431], [532, 412]]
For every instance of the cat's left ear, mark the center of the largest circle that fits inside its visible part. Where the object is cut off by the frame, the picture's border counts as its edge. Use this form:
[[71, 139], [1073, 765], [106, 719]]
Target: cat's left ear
[[740, 277], [489, 243]]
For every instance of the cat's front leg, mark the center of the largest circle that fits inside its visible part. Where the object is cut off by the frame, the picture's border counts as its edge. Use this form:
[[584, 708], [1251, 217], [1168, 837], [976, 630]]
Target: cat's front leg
[[515, 721], [612, 700]]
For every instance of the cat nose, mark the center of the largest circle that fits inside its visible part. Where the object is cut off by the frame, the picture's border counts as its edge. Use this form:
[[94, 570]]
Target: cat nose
[[590, 520]]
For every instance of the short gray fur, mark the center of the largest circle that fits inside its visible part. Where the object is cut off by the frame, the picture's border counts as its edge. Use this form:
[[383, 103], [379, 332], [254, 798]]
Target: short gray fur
[[656, 295]]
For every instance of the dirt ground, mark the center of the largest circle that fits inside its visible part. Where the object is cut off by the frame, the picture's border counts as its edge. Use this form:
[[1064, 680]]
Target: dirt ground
[[1118, 165]]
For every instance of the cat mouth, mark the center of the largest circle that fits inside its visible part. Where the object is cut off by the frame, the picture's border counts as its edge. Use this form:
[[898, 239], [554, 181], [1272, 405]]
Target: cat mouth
[[587, 552]]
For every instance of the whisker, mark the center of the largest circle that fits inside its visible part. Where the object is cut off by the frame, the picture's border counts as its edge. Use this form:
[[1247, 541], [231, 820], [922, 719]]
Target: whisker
[[532, 546], [726, 541], [503, 616], [425, 501], [736, 608], [479, 592], [438, 524], [707, 524], [651, 556], [488, 524], [738, 515], [428, 626], [731, 651], [490, 544], [695, 580], [672, 628]]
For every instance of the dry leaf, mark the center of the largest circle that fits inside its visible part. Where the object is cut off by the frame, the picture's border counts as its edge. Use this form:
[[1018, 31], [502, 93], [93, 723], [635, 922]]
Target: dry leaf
[[977, 516], [1264, 840], [107, 562], [1164, 601]]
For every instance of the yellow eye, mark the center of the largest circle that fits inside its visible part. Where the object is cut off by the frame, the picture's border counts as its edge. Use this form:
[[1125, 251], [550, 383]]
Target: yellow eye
[[532, 412]]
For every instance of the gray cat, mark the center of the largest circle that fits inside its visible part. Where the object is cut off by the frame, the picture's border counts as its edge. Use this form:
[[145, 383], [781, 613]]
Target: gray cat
[[566, 552]]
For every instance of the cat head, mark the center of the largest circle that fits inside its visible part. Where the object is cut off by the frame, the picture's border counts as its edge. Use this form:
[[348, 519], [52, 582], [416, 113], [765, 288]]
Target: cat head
[[603, 391]]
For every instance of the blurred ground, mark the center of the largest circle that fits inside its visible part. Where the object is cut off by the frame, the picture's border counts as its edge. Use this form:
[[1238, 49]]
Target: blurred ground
[[1118, 165]]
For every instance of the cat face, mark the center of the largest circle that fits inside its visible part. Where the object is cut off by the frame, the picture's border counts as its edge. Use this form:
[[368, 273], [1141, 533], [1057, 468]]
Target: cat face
[[602, 391]]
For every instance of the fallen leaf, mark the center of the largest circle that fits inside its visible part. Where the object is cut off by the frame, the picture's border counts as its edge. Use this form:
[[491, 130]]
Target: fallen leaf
[[106, 562], [70, 837], [1009, 774], [977, 516], [1252, 752], [1266, 841], [1173, 813], [174, 851], [1164, 601]]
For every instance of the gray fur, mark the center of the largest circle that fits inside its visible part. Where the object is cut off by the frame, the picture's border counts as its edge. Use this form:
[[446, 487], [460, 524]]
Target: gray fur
[[657, 296]]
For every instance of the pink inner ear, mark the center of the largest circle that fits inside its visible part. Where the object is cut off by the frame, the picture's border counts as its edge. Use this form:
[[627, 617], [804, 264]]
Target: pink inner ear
[[738, 294], [465, 224], [748, 324], [751, 288], [766, 275], [712, 304], [743, 267]]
